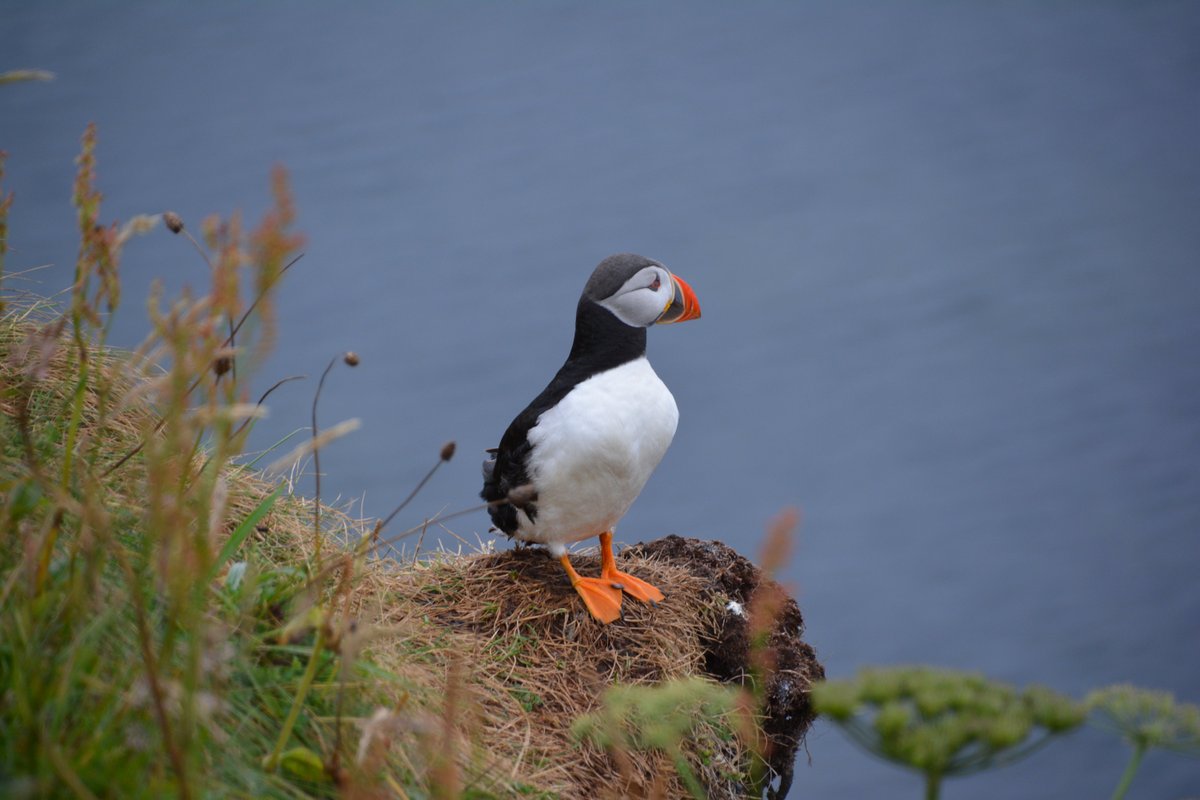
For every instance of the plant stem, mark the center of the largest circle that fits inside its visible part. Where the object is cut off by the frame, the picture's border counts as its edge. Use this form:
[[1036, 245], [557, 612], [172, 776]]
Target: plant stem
[[684, 770], [317, 467], [933, 785], [272, 761], [75, 419], [1131, 769], [178, 762]]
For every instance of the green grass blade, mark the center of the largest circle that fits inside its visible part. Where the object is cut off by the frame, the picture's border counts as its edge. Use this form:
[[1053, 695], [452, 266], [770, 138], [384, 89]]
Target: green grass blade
[[243, 530], [251, 464]]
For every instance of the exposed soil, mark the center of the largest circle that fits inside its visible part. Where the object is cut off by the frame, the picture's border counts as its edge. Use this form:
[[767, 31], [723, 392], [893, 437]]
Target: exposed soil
[[792, 663]]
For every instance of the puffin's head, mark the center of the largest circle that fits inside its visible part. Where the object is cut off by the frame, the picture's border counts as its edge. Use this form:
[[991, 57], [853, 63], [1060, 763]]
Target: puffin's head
[[641, 292]]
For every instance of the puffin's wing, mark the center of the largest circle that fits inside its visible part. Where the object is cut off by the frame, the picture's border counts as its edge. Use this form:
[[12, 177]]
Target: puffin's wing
[[508, 469]]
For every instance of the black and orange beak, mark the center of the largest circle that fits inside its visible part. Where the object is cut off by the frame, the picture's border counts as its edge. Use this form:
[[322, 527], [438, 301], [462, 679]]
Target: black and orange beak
[[683, 306]]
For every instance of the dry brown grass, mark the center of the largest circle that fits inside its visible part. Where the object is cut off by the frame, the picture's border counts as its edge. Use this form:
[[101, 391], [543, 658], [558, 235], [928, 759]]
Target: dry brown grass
[[538, 661], [507, 633]]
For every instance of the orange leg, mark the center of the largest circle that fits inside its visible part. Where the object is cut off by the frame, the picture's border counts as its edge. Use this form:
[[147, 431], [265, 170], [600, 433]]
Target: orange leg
[[636, 588], [602, 599]]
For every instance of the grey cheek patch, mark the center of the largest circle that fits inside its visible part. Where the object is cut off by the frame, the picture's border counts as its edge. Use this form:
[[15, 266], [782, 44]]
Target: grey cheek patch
[[675, 309]]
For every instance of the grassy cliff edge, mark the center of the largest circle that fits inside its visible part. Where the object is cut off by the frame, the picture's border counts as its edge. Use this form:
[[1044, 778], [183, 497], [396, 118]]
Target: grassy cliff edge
[[176, 622], [250, 656]]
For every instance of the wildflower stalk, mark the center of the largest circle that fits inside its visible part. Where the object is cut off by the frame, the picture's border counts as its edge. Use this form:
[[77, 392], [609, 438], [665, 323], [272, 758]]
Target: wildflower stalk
[[445, 455], [87, 204], [5, 205], [1146, 720], [1131, 769], [259, 298], [350, 358], [316, 451]]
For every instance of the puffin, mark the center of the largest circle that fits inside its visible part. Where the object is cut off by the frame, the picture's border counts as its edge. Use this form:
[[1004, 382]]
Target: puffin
[[574, 460]]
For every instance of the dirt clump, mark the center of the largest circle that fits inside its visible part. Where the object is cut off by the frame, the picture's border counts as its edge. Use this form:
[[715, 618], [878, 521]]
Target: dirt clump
[[792, 663], [534, 661]]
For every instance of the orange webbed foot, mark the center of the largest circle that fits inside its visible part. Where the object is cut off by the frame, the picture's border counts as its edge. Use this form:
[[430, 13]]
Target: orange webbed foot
[[636, 588], [602, 599]]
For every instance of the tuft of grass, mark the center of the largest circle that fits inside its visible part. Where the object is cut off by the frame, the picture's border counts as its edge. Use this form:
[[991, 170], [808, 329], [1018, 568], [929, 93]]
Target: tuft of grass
[[161, 632]]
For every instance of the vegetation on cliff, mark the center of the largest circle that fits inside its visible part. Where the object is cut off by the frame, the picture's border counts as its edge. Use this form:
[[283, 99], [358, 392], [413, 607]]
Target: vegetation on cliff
[[174, 621]]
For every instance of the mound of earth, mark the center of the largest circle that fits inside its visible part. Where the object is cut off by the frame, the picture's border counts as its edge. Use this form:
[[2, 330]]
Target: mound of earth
[[531, 661]]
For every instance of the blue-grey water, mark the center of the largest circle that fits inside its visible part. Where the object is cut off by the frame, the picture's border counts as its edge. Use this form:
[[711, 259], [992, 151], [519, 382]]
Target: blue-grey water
[[948, 256]]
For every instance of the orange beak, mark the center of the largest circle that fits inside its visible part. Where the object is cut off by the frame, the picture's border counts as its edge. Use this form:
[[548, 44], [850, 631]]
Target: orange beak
[[684, 305]]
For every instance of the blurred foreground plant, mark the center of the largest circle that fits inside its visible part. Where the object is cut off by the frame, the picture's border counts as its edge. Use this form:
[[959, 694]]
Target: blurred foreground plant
[[1145, 720], [170, 624], [22, 75], [944, 723], [668, 717], [119, 668], [643, 718]]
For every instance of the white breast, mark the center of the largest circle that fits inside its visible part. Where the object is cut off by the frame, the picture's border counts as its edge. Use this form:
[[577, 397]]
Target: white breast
[[595, 450]]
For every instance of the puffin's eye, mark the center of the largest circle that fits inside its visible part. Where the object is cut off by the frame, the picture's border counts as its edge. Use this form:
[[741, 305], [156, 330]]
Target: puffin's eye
[[657, 283]]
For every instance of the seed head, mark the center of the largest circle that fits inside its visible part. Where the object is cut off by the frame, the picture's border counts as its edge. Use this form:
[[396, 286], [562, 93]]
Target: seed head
[[448, 451], [172, 221], [351, 358], [222, 364]]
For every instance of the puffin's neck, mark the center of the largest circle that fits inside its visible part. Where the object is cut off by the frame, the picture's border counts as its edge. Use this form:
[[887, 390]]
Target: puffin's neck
[[602, 341]]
